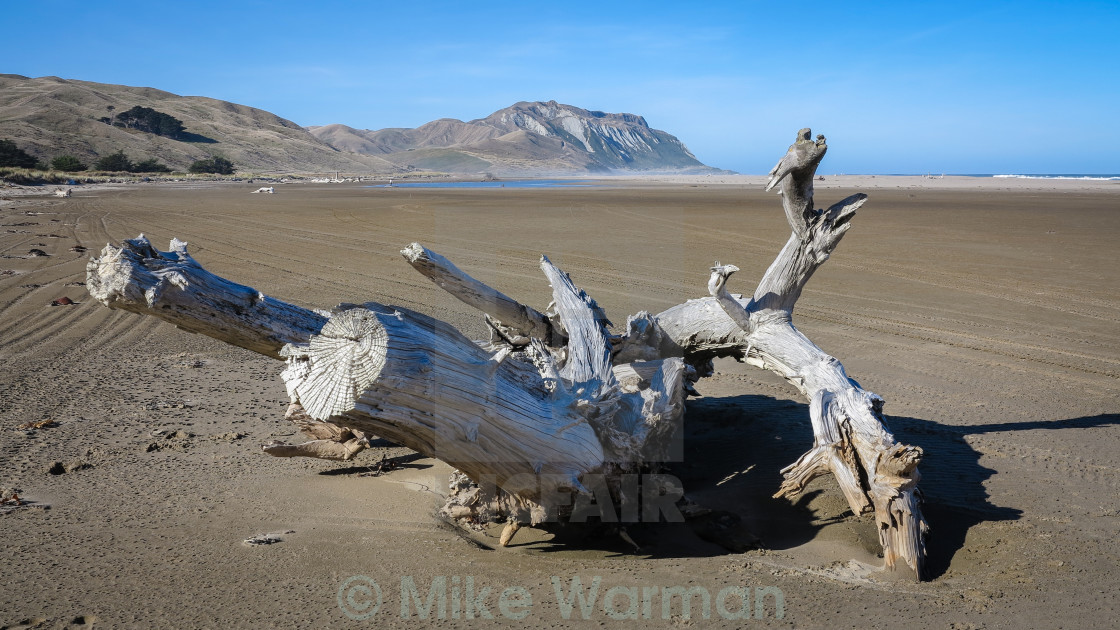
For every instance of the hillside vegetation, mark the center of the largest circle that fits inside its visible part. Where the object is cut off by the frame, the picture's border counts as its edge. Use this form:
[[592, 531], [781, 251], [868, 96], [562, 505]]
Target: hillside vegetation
[[49, 117], [62, 121]]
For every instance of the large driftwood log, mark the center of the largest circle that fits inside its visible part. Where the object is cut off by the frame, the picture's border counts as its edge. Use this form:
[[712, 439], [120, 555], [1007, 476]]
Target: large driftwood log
[[526, 423], [553, 401]]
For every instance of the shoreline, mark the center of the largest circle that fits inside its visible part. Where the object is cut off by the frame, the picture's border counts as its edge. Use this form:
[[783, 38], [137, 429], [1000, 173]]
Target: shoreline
[[948, 182], [856, 182]]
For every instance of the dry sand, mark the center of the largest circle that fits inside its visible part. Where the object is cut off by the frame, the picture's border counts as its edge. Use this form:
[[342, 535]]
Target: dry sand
[[985, 312]]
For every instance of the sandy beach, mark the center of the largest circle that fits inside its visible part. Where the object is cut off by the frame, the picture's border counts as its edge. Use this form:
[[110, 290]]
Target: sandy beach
[[986, 311]]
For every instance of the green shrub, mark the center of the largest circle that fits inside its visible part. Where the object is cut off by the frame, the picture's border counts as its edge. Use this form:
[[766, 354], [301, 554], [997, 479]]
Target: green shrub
[[114, 162], [11, 155], [218, 165], [151, 121], [68, 164], [150, 165]]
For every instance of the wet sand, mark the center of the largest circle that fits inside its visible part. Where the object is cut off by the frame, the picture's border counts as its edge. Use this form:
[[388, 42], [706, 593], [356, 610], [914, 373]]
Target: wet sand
[[986, 314]]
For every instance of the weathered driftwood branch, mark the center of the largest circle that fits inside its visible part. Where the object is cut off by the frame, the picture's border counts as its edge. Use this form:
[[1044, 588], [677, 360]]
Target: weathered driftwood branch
[[330, 441], [513, 321], [874, 472], [554, 402], [173, 287], [644, 364]]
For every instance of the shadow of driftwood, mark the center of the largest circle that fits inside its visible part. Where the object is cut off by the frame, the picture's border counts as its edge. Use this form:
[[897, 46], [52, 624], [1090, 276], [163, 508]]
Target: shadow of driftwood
[[953, 479], [387, 466], [769, 434], [734, 451], [735, 448]]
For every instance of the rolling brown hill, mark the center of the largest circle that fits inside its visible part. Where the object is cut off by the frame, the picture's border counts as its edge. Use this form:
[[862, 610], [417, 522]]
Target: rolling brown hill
[[526, 138], [49, 116]]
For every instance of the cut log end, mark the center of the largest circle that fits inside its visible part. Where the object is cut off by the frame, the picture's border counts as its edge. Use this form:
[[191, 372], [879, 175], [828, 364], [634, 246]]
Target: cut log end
[[346, 357]]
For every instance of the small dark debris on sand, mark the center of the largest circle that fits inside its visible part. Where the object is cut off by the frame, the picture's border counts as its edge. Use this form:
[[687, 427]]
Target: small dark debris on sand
[[10, 501], [40, 424], [62, 468], [384, 466], [229, 436], [34, 253], [63, 301]]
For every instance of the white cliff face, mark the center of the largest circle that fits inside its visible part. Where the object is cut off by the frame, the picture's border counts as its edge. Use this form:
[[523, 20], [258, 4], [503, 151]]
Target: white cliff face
[[577, 128], [623, 135], [523, 121]]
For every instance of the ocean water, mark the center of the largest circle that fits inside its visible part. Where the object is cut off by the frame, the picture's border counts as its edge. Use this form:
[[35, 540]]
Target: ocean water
[[515, 183], [1097, 177], [1065, 176]]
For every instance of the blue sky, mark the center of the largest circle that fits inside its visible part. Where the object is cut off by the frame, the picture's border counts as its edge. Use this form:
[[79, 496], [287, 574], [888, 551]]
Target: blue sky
[[899, 87]]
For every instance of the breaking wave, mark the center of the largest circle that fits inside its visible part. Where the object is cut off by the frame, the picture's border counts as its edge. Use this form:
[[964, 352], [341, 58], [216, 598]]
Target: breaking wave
[[1085, 177]]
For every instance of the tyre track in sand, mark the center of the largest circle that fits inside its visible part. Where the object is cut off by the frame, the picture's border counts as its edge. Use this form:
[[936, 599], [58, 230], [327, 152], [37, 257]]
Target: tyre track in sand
[[1066, 299], [29, 323], [218, 240], [1028, 352], [381, 230], [514, 265], [1071, 300], [933, 311]]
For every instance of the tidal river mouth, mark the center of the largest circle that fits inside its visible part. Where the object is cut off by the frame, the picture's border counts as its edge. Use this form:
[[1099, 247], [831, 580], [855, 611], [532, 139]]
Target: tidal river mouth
[[515, 183]]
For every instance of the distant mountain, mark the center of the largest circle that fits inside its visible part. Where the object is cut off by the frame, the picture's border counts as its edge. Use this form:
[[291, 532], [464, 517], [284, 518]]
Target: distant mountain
[[527, 138], [49, 116]]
